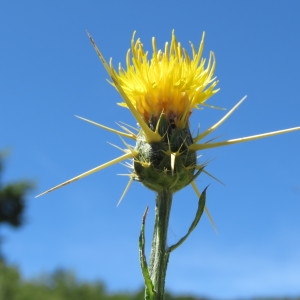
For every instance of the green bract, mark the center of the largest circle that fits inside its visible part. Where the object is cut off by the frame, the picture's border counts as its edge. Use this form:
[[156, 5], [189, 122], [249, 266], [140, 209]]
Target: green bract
[[168, 164]]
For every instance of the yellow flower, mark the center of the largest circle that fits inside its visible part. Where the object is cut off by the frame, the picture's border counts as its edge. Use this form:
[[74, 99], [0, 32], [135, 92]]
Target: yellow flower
[[170, 83], [161, 93]]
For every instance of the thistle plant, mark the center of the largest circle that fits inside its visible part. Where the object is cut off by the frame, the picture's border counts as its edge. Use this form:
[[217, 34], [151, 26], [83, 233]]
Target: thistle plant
[[161, 92]]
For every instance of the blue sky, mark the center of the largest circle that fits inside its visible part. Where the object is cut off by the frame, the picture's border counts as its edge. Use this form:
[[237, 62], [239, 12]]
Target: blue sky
[[49, 73]]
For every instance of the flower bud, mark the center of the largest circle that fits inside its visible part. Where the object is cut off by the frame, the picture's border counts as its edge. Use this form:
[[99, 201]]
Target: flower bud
[[167, 164]]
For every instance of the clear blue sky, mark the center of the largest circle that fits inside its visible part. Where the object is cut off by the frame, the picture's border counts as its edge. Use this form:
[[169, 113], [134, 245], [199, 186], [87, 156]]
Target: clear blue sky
[[49, 72]]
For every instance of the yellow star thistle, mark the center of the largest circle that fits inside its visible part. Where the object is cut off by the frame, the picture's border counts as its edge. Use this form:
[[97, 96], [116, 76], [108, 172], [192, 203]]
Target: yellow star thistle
[[161, 94]]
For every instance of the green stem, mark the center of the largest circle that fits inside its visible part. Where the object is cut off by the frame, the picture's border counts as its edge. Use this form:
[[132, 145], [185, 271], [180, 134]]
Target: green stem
[[159, 253]]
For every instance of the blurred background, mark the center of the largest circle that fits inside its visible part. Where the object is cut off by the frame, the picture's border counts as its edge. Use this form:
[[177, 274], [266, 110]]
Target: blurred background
[[49, 72]]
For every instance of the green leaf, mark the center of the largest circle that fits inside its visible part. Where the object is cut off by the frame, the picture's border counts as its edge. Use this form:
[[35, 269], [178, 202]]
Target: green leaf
[[200, 209]]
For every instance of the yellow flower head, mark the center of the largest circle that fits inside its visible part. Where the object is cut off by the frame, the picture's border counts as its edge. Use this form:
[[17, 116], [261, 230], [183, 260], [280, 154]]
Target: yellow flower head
[[170, 83]]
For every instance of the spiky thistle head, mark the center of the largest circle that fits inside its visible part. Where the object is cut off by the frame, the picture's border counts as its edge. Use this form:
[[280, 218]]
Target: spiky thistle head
[[161, 93]]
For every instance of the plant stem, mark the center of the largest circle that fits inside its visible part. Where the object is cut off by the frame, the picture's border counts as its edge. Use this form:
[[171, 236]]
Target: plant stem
[[159, 253]]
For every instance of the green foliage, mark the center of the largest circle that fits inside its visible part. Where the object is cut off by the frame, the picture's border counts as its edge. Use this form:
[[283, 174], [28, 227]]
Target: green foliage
[[63, 285], [9, 281], [12, 203], [12, 199]]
